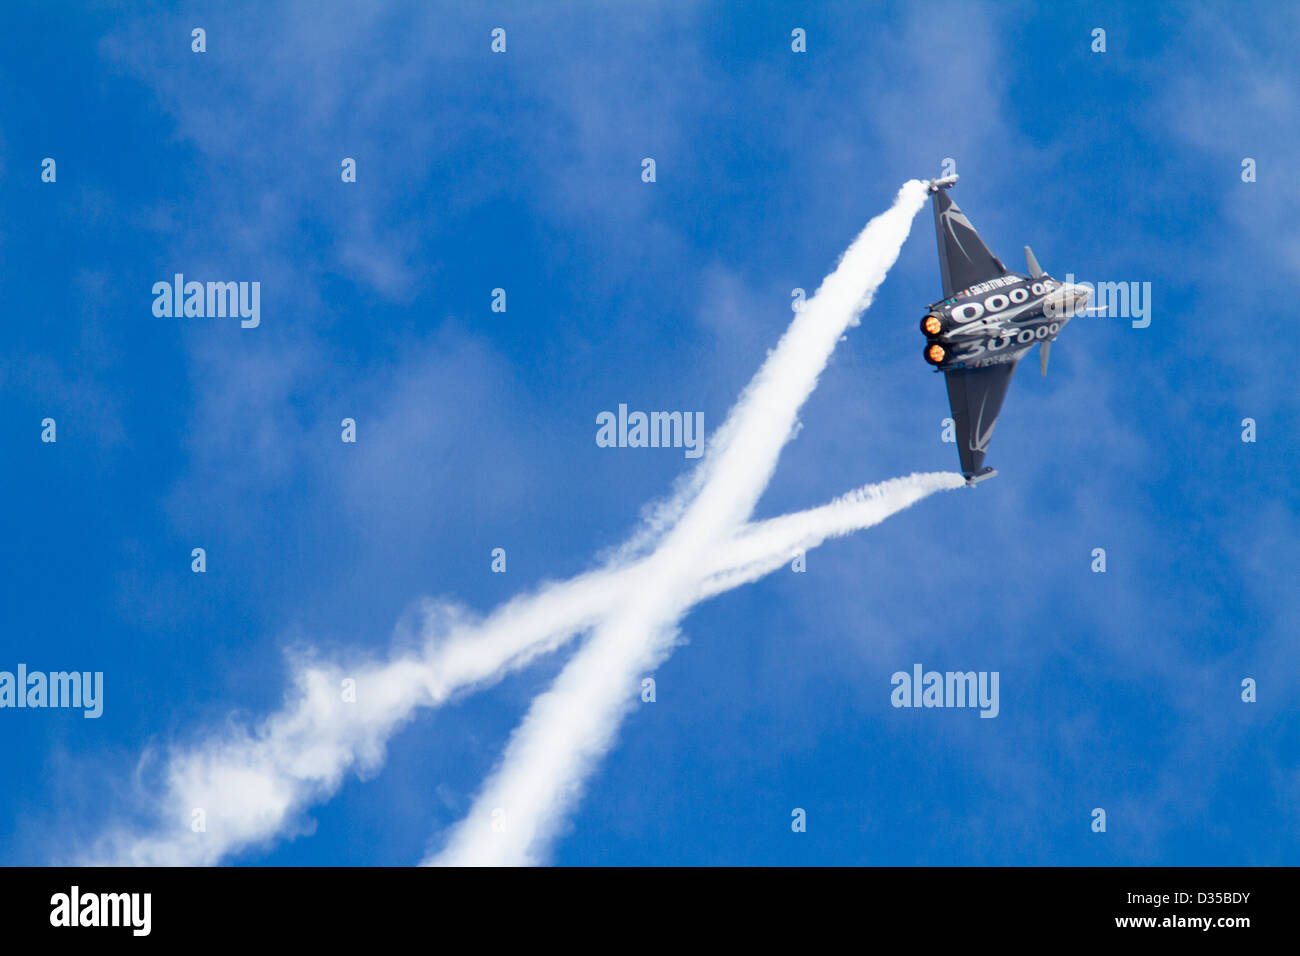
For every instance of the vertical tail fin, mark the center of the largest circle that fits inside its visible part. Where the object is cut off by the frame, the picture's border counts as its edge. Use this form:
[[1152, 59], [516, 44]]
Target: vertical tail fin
[[1035, 269]]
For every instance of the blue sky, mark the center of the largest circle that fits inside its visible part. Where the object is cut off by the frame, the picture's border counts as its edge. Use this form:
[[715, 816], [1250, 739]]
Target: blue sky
[[476, 429]]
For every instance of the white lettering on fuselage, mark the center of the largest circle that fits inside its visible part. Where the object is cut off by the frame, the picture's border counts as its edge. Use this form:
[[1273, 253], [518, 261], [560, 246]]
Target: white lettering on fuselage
[[990, 285]]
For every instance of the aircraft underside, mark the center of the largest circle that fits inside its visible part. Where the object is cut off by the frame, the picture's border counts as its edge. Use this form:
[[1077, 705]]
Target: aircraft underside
[[987, 321]]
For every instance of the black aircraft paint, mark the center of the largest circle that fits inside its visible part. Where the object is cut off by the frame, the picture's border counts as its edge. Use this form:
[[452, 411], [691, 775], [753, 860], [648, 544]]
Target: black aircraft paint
[[986, 322]]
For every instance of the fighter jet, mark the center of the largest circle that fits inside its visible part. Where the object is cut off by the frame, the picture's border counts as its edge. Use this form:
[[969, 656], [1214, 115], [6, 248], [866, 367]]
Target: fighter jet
[[988, 318]]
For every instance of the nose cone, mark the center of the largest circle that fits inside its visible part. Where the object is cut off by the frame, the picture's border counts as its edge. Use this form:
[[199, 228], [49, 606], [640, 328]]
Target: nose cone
[[1067, 300]]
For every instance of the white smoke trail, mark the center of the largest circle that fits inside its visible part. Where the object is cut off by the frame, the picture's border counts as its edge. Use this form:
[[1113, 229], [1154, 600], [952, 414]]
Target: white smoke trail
[[597, 685], [568, 728], [765, 546], [251, 785]]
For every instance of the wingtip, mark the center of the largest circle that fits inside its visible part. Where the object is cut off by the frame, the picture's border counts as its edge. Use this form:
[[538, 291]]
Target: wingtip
[[983, 473]]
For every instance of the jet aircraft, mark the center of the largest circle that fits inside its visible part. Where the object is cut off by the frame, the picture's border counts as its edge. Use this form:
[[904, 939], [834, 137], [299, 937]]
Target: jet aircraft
[[988, 318]]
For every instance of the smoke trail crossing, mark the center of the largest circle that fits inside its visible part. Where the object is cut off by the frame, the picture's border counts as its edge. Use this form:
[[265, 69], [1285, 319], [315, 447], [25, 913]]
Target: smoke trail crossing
[[252, 783], [255, 783], [569, 727]]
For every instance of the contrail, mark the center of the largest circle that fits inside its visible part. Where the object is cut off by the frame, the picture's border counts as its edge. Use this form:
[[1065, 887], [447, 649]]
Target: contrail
[[765, 546], [568, 728], [250, 785], [591, 697]]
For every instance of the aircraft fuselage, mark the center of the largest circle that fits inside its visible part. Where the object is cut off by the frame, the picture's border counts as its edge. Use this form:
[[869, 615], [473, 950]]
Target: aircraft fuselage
[[998, 320]]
